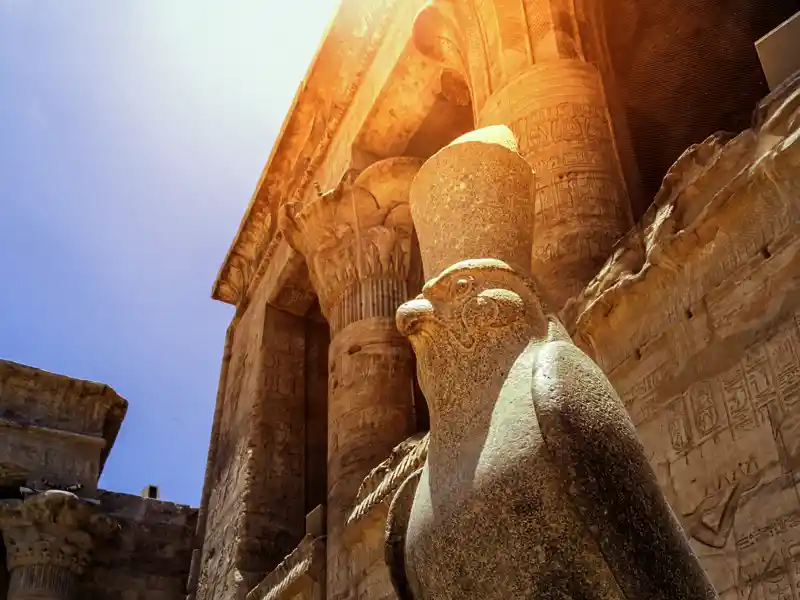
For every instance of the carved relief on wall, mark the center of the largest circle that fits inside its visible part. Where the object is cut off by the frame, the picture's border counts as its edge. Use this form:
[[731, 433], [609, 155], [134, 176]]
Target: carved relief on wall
[[695, 318], [727, 452]]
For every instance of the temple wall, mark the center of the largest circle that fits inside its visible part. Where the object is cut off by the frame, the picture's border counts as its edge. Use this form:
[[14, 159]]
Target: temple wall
[[256, 508], [149, 558], [696, 320], [54, 428]]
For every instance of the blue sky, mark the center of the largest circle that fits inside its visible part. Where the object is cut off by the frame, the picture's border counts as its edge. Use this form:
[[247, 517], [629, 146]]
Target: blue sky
[[132, 134]]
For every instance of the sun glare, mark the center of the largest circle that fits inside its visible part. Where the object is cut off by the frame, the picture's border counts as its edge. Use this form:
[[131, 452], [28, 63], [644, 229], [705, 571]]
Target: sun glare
[[248, 47]]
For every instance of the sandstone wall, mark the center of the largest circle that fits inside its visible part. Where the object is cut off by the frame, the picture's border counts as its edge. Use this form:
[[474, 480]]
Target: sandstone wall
[[149, 558], [256, 507], [696, 319]]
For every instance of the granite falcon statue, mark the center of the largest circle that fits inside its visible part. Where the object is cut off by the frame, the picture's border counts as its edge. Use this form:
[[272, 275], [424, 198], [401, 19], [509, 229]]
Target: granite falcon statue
[[535, 484]]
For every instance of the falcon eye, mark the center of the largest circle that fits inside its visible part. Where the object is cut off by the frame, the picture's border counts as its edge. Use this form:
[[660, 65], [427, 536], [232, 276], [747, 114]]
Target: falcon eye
[[460, 286]]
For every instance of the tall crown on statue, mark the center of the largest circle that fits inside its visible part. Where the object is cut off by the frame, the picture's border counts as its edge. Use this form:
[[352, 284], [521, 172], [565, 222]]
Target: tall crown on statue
[[474, 199]]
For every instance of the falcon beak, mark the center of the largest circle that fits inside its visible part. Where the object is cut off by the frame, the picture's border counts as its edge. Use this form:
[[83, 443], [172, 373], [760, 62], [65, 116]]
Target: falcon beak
[[412, 315]]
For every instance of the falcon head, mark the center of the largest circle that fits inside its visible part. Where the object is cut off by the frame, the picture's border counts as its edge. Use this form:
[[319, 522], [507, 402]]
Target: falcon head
[[473, 312]]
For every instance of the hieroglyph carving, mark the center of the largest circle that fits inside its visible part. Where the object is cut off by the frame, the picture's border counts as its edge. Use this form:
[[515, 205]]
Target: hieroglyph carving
[[748, 416]]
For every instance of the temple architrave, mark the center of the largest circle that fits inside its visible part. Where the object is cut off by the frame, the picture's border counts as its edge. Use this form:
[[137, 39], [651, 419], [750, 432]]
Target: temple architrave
[[670, 249]]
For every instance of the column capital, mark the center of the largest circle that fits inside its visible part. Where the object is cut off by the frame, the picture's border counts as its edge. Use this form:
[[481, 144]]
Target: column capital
[[48, 539], [356, 240], [491, 42], [541, 68]]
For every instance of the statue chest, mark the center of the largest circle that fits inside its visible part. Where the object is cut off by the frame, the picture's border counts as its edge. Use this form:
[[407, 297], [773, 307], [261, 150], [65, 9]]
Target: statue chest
[[496, 523]]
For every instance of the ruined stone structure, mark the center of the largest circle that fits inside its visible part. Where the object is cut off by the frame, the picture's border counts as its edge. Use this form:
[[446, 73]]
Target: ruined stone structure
[[61, 537], [674, 269]]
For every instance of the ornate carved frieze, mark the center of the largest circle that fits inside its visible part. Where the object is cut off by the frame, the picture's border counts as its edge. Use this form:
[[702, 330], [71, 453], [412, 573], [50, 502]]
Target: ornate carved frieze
[[684, 241], [357, 241], [490, 43], [306, 139], [696, 320], [48, 539]]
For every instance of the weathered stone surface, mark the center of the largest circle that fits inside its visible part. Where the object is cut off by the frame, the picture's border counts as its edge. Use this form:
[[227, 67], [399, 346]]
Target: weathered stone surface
[[54, 428], [372, 95], [382, 482], [367, 45], [366, 523], [301, 575], [710, 376], [357, 242], [535, 485], [147, 557], [48, 540], [55, 433], [256, 506], [476, 193]]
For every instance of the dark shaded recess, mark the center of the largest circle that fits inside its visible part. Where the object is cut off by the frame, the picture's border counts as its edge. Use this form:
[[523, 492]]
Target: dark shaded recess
[[10, 490], [4, 578], [444, 123], [685, 70], [316, 441]]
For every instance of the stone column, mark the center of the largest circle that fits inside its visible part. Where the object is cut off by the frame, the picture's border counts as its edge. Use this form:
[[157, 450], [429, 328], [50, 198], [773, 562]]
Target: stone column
[[48, 539], [357, 242], [535, 66]]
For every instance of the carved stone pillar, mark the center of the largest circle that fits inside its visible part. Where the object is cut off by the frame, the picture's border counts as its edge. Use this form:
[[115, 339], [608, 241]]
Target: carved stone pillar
[[357, 242], [48, 539], [535, 66]]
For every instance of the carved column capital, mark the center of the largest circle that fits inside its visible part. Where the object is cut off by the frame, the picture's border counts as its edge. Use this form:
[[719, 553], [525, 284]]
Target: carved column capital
[[356, 240], [491, 42], [48, 539]]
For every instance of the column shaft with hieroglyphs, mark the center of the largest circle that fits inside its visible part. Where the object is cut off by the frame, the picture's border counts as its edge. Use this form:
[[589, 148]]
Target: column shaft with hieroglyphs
[[48, 539], [538, 66], [357, 242]]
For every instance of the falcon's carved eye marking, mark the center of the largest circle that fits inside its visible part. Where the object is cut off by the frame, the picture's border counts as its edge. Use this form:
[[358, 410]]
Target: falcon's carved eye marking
[[461, 286]]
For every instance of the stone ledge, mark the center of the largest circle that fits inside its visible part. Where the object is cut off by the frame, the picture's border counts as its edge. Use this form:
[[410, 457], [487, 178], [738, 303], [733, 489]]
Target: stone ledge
[[33, 397], [297, 573], [747, 183], [89, 440]]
